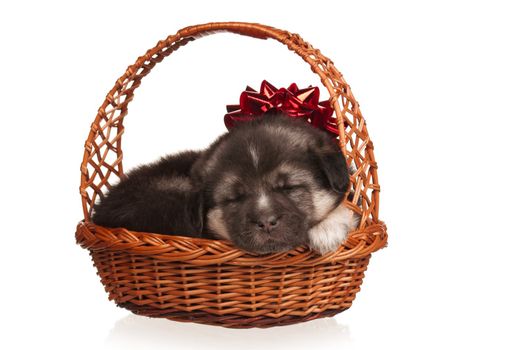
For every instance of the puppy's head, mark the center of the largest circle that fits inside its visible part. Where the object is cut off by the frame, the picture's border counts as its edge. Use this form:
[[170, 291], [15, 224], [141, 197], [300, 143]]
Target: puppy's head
[[269, 181]]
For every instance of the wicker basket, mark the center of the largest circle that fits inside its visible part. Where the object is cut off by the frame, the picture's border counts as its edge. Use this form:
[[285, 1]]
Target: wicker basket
[[210, 281]]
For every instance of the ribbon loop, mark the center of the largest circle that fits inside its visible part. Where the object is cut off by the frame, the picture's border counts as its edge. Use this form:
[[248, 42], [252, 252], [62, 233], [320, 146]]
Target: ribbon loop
[[294, 102]]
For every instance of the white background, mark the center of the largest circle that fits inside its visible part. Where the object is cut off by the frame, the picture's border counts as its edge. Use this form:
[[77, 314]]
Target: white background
[[443, 87]]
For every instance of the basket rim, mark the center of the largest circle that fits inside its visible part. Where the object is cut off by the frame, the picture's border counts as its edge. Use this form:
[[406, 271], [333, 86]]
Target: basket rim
[[202, 251]]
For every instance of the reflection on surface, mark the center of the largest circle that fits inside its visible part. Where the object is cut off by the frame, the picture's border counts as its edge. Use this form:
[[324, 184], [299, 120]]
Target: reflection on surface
[[139, 332]]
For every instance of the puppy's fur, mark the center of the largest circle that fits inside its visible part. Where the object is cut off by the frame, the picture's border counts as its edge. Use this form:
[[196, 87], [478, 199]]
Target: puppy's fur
[[158, 197], [268, 185]]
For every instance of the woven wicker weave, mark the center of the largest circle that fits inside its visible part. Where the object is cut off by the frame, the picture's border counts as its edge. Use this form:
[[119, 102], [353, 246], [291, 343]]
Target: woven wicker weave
[[210, 281]]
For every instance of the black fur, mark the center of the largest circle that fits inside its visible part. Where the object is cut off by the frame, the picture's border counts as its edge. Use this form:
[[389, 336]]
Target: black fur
[[137, 203]]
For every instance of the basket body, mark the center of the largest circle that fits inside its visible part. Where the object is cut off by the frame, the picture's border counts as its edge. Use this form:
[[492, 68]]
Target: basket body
[[229, 295], [211, 281]]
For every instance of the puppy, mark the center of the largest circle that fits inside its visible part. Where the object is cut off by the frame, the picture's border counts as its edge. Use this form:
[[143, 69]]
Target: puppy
[[269, 185]]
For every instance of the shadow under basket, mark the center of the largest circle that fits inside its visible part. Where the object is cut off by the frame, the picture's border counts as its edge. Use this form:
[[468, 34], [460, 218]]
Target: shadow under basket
[[211, 281]]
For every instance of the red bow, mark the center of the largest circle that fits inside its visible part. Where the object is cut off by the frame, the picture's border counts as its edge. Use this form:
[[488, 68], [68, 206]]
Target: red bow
[[295, 102]]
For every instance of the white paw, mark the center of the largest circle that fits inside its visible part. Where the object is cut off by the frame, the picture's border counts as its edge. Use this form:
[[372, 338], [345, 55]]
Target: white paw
[[331, 232]]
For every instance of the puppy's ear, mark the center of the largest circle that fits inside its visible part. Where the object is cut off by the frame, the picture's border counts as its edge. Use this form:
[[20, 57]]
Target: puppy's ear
[[194, 211], [333, 164]]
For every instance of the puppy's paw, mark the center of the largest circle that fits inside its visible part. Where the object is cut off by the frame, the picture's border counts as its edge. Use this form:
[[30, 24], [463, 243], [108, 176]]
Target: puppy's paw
[[331, 232]]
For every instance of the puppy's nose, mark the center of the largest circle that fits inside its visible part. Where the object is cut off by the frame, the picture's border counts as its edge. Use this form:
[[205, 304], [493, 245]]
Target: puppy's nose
[[268, 223]]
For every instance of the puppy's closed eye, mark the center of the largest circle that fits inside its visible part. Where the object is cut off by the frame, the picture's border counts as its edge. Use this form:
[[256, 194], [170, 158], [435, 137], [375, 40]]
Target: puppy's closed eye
[[234, 197], [229, 189], [284, 184], [287, 188], [231, 195]]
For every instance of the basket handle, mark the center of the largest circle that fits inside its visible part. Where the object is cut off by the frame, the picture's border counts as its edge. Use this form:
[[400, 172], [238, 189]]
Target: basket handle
[[103, 154], [254, 30]]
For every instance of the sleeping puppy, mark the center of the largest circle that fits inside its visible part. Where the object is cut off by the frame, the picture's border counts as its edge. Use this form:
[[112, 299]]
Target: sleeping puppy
[[268, 185]]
